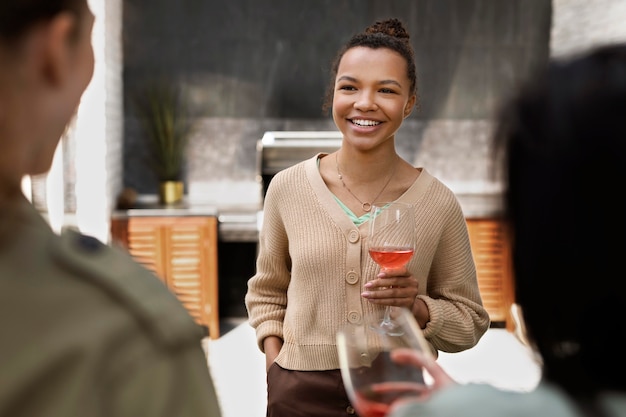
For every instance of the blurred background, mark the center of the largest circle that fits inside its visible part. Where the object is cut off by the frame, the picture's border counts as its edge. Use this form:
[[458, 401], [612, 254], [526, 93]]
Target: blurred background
[[252, 66]]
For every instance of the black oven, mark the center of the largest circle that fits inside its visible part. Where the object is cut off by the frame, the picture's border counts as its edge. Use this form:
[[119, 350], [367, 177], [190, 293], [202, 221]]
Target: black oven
[[239, 227]]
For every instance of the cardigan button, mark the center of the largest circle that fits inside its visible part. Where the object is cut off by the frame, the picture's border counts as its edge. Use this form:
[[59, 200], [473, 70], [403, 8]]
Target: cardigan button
[[352, 277], [354, 317]]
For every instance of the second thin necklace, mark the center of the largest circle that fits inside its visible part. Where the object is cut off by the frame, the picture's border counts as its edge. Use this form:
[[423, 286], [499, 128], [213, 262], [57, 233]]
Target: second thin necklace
[[365, 205]]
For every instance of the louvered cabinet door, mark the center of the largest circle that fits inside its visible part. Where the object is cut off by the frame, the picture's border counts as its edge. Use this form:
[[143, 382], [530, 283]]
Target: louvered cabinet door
[[490, 247], [145, 244], [182, 251], [191, 267]]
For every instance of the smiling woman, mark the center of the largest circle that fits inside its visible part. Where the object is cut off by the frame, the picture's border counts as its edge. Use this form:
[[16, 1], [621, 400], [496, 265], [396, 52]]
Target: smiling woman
[[315, 230]]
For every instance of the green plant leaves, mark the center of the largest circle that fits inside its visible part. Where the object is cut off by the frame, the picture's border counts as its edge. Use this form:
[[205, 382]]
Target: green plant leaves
[[163, 111]]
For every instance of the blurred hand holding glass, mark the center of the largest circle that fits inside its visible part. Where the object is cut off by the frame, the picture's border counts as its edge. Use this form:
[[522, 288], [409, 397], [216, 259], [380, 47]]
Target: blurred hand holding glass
[[373, 379]]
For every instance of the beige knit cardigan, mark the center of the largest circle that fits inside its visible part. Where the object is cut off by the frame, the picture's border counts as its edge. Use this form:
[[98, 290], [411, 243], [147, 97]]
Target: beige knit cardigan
[[313, 262]]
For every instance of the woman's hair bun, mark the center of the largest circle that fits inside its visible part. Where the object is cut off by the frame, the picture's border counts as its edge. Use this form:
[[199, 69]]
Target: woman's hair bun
[[391, 27]]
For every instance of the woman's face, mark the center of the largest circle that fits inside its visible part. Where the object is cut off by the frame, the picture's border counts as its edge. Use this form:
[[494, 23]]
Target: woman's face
[[372, 95]]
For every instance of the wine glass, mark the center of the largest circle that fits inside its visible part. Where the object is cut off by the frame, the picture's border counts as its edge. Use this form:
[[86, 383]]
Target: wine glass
[[391, 241], [373, 381]]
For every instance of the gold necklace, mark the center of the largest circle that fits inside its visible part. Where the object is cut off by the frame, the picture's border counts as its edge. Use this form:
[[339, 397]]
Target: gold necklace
[[365, 206]]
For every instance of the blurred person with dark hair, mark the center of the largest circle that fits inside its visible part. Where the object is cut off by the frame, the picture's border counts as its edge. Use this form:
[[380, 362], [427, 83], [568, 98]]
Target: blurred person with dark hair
[[562, 140], [86, 330]]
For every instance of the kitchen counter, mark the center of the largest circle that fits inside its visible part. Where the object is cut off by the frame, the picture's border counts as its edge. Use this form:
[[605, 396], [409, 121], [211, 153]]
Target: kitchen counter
[[480, 206], [235, 222], [478, 199], [149, 206]]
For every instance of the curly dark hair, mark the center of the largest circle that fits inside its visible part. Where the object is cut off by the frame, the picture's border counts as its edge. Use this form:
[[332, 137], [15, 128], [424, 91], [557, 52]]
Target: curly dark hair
[[390, 34]]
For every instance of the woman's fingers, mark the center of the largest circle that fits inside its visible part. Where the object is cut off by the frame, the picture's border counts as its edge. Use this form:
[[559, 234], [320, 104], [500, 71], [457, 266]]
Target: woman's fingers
[[440, 377], [392, 290]]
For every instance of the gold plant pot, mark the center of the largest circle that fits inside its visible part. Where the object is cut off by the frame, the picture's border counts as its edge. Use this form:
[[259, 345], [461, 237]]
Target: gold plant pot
[[171, 192]]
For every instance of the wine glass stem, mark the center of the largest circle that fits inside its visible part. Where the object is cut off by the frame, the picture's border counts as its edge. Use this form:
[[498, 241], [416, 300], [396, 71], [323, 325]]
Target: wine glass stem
[[387, 316]]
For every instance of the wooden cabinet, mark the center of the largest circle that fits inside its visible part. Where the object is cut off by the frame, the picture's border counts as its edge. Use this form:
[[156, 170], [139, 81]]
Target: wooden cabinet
[[490, 243], [182, 251]]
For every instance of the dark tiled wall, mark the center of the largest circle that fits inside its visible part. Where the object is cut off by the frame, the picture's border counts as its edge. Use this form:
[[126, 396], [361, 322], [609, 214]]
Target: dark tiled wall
[[257, 65]]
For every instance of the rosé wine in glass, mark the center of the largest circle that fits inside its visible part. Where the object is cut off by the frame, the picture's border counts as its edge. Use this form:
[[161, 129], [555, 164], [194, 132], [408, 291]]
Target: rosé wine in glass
[[376, 399], [391, 241], [390, 257]]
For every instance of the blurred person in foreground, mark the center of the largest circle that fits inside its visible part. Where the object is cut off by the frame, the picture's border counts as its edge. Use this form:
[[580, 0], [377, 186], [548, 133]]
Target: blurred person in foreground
[[563, 143], [86, 331]]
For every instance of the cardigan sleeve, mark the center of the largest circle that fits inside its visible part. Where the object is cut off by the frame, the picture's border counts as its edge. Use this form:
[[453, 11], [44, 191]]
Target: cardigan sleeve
[[266, 297], [458, 318]]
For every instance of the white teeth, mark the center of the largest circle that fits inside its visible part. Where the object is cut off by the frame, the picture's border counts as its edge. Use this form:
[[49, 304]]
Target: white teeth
[[365, 122]]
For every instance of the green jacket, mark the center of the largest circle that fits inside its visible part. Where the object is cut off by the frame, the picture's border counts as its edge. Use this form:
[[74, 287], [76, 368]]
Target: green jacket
[[86, 331], [483, 400]]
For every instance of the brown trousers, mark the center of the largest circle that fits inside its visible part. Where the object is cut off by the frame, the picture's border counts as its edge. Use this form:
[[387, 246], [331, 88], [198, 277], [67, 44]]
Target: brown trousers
[[306, 394]]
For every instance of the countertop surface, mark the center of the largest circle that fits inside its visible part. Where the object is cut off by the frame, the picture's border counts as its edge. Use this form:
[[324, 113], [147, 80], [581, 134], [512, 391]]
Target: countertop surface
[[478, 200], [151, 207], [477, 206]]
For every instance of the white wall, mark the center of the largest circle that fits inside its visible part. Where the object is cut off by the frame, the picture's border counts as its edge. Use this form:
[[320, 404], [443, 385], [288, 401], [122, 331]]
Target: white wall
[[98, 129], [580, 24]]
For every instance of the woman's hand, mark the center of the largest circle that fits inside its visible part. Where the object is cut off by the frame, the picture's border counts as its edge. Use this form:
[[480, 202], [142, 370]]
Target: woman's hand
[[271, 346], [392, 287], [440, 378]]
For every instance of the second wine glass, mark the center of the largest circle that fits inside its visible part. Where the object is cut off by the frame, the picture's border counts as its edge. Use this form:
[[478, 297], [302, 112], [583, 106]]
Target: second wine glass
[[374, 381], [391, 241]]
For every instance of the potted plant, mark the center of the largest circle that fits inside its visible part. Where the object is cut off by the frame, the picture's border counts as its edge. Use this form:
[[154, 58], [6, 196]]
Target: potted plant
[[164, 115]]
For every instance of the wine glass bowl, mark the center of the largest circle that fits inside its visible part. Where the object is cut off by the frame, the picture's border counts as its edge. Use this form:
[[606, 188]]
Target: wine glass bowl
[[390, 257], [372, 379], [391, 241]]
